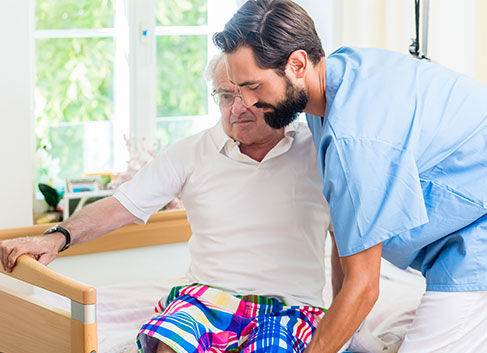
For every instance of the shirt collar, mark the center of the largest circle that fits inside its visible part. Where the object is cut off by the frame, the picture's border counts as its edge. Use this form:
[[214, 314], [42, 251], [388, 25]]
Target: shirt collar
[[290, 130], [220, 138]]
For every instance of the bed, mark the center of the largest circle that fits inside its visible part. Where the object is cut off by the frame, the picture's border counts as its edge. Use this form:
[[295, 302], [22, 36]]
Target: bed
[[69, 316]]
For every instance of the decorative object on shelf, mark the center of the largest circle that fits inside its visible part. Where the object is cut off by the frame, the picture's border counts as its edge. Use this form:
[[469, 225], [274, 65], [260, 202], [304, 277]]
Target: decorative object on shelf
[[84, 184], [47, 166], [140, 152], [74, 201], [52, 197]]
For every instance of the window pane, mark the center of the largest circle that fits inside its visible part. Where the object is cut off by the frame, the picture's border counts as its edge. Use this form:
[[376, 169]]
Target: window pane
[[181, 85], [74, 14], [74, 83], [169, 131], [74, 79], [78, 148], [181, 13]]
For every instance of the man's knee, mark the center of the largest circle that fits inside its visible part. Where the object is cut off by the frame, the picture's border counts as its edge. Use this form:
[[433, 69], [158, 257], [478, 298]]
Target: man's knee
[[164, 348]]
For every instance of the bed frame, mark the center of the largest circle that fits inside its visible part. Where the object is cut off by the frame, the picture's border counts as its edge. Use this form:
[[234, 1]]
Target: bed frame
[[27, 325]]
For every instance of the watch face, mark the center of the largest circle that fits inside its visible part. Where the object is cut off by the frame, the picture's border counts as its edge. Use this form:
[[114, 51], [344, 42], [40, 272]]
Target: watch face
[[52, 230]]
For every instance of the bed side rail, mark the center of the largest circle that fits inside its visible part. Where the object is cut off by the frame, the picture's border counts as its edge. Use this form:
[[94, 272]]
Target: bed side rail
[[31, 271], [165, 227], [48, 330]]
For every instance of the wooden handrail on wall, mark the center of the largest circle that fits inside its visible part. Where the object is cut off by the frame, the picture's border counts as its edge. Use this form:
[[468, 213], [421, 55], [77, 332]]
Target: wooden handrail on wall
[[164, 227]]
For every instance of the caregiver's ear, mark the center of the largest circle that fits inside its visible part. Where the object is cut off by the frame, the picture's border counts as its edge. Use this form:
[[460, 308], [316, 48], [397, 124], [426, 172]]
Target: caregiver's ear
[[297, 63]]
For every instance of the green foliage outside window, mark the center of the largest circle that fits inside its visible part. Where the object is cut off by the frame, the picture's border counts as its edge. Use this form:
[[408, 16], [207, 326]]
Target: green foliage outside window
[[181, 12], [74, 14], [168, 132], [74, 78], [181, 86], [74, 83], [181, 62]]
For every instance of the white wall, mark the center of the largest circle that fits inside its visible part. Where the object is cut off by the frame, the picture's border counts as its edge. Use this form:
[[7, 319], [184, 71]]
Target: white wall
[[124, 266], [456, 33], [323, 14], [16, 98], [457, 30]]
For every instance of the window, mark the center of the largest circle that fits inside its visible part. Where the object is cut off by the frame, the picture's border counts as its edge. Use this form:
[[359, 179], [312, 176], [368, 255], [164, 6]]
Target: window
[[114, 68], [182, 51], [73, 88]]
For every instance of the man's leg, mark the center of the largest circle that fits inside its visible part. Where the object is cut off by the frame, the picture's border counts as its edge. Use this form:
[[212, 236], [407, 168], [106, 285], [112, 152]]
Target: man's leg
[[163, 348], [449, 322], [288, 332], [193, 321]]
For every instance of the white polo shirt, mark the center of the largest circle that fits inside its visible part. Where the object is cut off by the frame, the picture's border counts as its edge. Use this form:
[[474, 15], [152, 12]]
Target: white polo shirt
[[258, 228]]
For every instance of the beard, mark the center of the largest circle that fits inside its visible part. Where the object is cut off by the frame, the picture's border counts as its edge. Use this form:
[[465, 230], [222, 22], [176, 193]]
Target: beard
[[287, 110]]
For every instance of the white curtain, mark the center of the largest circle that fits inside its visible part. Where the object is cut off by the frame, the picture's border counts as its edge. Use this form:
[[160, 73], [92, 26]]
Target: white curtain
[[457, 30]]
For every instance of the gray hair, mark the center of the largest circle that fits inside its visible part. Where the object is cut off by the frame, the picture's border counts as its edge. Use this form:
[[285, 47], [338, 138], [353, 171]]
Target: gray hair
[[213, 64]]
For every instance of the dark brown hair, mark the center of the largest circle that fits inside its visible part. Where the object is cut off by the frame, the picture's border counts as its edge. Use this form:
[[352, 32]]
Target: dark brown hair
[[273, 29]]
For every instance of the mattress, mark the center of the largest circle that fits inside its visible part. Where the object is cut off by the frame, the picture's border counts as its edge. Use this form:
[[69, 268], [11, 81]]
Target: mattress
[[123, 308]]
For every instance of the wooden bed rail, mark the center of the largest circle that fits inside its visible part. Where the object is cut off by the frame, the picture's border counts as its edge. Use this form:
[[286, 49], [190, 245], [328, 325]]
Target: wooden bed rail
[[31, 271], [164, 227], [27, 326]]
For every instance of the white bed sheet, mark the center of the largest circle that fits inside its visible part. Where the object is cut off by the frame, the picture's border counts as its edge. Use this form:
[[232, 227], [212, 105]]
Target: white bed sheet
[[123, 308]]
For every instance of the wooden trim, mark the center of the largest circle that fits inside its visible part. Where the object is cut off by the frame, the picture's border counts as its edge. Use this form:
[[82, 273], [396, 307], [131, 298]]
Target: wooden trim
[[83, 337], [31, 271], [37, 229], [165, 227], [26, 327]]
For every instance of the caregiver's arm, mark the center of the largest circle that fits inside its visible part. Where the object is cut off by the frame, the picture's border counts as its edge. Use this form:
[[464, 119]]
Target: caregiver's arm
[[336, 268], [357, 296], [89, 223]]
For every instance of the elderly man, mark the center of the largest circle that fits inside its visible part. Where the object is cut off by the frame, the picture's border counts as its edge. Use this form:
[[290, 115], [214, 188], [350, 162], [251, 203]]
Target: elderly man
[[402, 151], [253, 199]]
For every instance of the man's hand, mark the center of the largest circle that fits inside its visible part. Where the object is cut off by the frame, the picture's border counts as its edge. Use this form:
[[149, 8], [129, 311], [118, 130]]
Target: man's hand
[[44, 248], [90, 222]]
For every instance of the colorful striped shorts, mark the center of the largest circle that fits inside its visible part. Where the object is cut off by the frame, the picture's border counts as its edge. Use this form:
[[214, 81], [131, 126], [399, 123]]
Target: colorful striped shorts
[[199, 318]]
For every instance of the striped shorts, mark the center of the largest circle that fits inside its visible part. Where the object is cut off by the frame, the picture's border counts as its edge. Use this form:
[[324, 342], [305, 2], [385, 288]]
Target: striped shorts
[[200, 318]]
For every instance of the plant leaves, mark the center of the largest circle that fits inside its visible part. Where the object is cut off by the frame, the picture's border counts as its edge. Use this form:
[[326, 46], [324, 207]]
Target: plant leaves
[[50, 195]]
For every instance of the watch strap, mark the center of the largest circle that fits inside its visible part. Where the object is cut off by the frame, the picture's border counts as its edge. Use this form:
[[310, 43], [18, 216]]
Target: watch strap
[[64, 232]]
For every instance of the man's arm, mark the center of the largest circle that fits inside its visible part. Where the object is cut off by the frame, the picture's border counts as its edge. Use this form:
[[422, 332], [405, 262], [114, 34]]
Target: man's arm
[[89, 223], [357, 296]]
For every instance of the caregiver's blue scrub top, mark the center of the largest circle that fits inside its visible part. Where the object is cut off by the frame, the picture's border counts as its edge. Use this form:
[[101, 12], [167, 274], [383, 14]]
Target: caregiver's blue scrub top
[[402, 152]]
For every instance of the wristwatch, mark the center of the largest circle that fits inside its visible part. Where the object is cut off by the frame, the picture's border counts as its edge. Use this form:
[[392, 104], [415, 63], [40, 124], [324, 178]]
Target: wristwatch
[[63, 231]]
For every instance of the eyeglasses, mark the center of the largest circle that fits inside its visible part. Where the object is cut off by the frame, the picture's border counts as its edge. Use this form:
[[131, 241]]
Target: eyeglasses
[[224, 98]]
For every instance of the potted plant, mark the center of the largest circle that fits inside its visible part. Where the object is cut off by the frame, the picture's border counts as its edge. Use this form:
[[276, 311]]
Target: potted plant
[[52, 197]]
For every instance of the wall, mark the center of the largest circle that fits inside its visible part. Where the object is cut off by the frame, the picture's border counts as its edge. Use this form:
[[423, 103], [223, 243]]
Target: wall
[[323, 14], [124, 266], [457, 30], [481, 41], [16, 97]]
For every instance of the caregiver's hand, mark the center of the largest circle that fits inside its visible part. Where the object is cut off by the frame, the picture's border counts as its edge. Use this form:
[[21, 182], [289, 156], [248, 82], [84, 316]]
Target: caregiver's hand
[[44, 248]]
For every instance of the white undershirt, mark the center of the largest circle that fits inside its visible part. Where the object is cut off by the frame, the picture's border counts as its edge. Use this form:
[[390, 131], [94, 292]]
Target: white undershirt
[[258, 228]]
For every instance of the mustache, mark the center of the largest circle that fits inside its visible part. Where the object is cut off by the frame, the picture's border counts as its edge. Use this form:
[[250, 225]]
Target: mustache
[[264, 105], [234, 118]]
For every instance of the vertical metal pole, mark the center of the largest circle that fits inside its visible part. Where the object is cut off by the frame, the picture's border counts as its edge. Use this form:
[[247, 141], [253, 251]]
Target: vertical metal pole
[[426, 9]]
